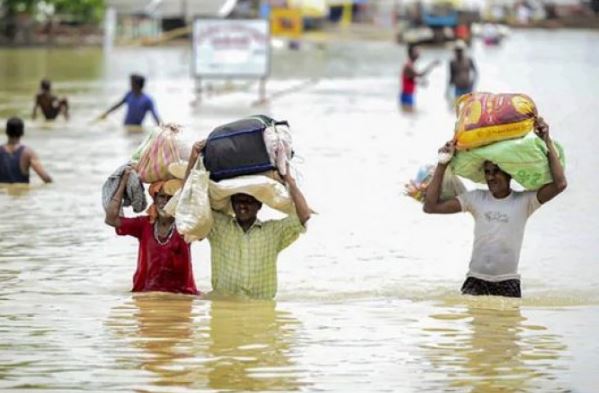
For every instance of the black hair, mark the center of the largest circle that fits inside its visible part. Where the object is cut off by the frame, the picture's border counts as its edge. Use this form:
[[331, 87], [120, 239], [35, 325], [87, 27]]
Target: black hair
[[15, 127], [138, 80], [411, 49], [45, 84]]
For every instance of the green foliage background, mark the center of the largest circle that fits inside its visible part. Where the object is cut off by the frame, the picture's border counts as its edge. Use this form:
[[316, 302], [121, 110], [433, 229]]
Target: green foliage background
[[87, 11]]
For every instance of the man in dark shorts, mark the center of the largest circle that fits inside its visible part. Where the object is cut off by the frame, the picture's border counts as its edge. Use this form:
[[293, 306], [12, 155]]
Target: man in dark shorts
[[50, 105], [500, 215], [462, 72]]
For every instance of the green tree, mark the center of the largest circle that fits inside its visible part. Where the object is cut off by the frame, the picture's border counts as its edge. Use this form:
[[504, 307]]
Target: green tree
[[12, 7], [87, 11]]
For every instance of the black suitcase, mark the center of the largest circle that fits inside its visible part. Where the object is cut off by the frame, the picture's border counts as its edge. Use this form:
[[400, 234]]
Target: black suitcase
[[238, 148]]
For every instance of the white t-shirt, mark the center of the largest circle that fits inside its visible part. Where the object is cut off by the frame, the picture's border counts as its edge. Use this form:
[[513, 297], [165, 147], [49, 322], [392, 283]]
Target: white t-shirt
[[498, 231]]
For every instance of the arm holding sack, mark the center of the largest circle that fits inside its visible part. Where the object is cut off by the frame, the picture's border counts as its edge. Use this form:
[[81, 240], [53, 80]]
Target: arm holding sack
[[196, 150], [432, 201], [559, 184], [114, 207], [302, 209]]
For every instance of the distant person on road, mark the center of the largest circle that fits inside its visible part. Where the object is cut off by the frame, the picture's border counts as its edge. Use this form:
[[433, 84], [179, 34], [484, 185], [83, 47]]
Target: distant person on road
[[50, 105], [500, 216], [16, 159], [462, 72], [409, 77], [138, 103]]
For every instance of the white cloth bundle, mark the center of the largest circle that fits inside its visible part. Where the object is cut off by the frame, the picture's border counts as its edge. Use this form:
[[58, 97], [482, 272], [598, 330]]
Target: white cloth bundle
[[193, 215]]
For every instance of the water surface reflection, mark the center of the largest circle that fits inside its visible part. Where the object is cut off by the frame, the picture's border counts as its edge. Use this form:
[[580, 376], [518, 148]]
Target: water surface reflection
[[484, 350], [183, 343]]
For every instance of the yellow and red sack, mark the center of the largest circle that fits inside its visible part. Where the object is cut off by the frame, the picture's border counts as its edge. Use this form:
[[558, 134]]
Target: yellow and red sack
[[485, 118]]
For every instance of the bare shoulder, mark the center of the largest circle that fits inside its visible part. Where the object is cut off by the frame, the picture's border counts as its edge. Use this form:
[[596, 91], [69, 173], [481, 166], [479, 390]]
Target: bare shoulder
[[29, 153]]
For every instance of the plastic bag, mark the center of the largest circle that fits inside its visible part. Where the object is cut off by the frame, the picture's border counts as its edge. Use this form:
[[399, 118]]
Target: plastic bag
[[451, 186], [171, 206], [279, 145], [485, 118], [264, 189], [144, 144], [193, 215], [161, 151], [524, 159]]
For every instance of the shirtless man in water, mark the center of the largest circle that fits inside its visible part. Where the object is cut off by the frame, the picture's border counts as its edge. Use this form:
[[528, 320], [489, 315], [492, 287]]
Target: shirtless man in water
[[50, 105], [462, 72]]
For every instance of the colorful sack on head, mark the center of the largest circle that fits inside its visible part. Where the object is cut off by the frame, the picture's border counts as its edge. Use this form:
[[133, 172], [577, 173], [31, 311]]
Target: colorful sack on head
[[485, 118], [158, 155]]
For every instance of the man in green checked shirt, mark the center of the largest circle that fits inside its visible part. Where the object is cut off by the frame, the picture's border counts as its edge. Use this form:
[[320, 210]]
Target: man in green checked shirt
[[245, 249]]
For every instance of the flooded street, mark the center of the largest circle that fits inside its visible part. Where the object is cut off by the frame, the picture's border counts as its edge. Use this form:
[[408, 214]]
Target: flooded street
[[368, 298]]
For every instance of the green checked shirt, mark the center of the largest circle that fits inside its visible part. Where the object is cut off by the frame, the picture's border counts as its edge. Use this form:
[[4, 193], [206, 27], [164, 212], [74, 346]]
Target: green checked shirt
[[245, 263]]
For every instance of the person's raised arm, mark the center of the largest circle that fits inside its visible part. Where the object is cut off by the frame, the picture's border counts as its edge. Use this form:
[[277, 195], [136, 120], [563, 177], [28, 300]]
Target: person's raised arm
[[37, 166], [432, 200], [428, 69], [112, 108], [114, 206], [559, 183], [451, 81], [196, 150], [35, 105], [474, 74], [302, 209], [154, 113]]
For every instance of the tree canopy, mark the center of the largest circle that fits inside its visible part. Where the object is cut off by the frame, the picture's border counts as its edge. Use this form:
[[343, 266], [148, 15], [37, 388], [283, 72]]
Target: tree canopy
[[86, 11]]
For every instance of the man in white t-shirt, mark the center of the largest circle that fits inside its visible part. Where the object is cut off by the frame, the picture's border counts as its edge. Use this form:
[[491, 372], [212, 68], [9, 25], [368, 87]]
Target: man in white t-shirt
[[500, 216]]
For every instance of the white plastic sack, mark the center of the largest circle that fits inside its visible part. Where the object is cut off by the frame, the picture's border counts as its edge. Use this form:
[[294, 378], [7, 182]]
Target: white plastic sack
[[266, 190], [171, 206], [279, 146], [193, 215]]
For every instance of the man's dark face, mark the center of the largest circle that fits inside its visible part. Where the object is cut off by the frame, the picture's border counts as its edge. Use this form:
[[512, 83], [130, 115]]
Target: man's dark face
[[415, 53], [459, 53], [245, 206], [135, 85], [497, 180]]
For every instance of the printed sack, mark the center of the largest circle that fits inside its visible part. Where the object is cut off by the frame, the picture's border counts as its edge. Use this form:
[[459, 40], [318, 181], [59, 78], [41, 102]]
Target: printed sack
[[485, 118]]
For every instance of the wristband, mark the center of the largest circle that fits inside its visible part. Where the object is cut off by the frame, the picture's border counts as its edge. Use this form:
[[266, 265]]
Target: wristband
[[444, 157]]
